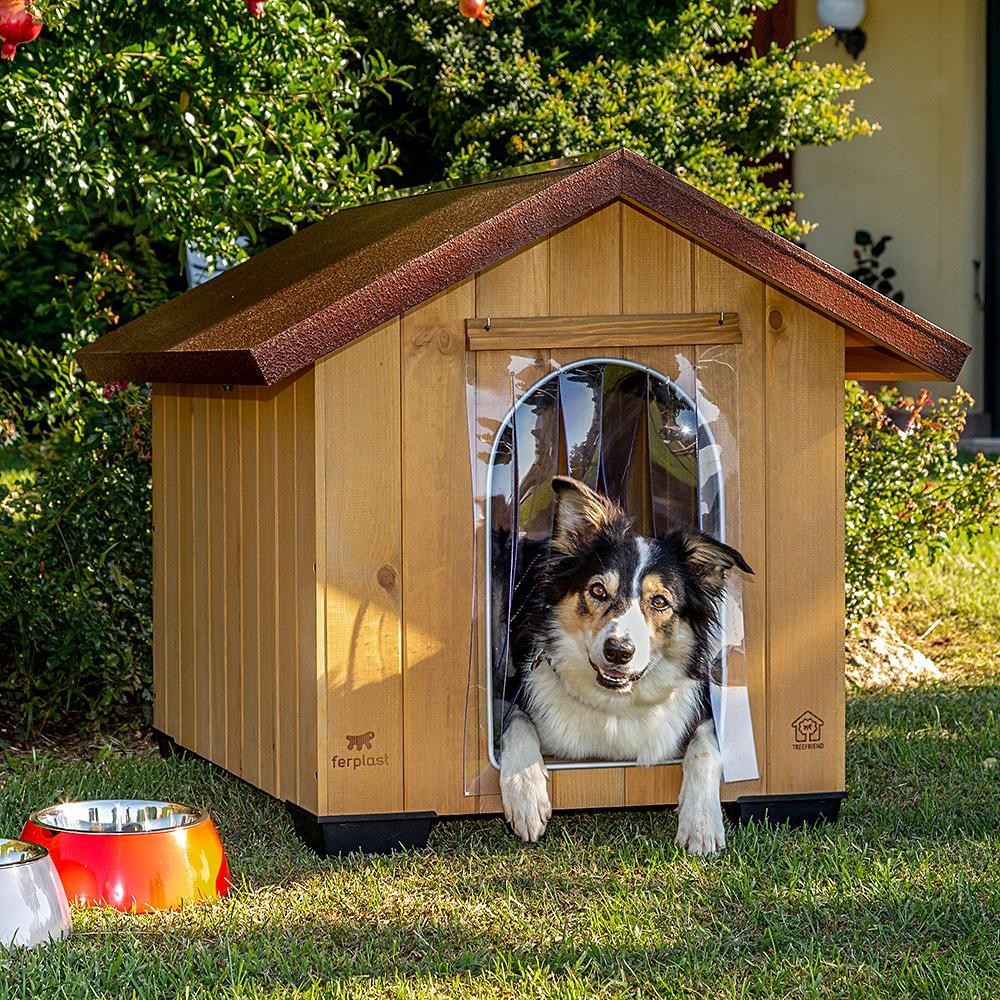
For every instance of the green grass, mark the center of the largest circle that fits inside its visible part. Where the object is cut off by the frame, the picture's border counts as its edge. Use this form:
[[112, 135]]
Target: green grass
[[900, 899]]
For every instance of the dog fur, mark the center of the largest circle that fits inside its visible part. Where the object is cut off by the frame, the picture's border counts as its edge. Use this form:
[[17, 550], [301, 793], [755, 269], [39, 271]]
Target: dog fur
[[612, 653]]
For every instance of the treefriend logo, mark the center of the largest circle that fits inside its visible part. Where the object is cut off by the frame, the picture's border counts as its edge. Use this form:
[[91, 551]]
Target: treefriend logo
[[808, 729]]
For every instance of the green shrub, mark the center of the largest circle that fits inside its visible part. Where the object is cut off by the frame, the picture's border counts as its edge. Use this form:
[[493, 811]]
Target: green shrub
[[675, 81], [75, 569], [75, 573], [908, 491]]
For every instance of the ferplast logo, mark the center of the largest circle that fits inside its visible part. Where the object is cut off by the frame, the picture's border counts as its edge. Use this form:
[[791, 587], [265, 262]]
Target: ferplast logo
[[356, 757], [808, 729]]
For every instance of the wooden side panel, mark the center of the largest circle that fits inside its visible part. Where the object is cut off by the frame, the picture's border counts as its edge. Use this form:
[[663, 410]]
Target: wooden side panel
[[516, 286], [358, 434], [163, 610], [585, 278], [656, 277], [198, 683], [233, 578], [216, 580], [719, 285], [234, 587], [310, 537], [251, 541], [437, 550], [268, 582], [804, 373], [189, 620]]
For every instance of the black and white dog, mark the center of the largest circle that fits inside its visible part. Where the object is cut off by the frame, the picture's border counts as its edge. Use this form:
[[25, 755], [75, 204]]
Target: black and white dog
[[613, 653]]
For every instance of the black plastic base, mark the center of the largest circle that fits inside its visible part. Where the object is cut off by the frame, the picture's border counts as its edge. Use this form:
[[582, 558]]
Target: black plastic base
[[796, 810], [335, 836], [169, 747]]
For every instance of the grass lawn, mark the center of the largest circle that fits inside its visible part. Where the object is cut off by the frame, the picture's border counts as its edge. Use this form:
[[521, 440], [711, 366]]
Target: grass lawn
[[901, 899]]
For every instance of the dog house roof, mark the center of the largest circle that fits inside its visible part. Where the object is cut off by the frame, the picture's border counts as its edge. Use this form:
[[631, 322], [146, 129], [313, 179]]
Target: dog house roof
[[283, 309]]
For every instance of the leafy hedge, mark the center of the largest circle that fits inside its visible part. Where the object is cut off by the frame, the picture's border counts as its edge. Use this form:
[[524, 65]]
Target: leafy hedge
[[675, 81], [76, 568], [908, 490]]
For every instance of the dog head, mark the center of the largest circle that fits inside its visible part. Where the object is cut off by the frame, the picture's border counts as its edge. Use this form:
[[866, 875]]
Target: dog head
[[624, 605]]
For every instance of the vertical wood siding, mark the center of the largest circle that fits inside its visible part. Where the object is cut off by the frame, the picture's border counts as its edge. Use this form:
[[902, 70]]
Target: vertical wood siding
[[358, 443], [437, 551], [234, 603], [314, 545], [804, 477]]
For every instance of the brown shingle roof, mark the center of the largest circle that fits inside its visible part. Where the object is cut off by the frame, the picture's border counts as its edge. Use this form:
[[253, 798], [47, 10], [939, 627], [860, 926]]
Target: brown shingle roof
[[280, 311]]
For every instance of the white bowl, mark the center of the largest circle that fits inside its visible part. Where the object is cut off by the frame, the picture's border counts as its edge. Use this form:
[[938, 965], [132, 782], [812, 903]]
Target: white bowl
[[33, 906]]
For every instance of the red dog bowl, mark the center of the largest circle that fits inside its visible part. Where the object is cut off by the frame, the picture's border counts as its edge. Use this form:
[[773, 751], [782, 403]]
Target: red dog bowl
[[133, 854]]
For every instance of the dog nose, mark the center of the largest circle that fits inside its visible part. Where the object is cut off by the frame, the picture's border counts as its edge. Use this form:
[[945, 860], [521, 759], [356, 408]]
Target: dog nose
[[618, 650]]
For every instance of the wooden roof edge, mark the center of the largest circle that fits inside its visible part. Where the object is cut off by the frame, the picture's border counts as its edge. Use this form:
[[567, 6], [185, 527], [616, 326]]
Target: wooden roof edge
[[583, 189], [791, 268]]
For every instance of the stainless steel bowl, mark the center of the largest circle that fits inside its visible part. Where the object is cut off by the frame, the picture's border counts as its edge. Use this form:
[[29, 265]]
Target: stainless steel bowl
[[33, 906], [118, 816]]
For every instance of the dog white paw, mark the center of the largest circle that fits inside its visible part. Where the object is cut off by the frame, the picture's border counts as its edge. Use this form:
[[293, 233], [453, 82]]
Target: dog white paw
[[699, 828], [526, 804]]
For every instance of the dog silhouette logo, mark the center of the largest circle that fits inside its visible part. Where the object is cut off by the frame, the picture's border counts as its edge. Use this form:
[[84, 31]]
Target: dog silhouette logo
[[808, 728], [363, 741]]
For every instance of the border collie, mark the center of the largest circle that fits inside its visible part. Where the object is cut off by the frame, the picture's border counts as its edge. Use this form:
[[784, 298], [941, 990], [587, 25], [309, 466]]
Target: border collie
[[612, 650]]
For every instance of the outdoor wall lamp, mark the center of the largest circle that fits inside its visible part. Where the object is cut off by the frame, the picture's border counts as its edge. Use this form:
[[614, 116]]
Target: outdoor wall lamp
[[845, 17]]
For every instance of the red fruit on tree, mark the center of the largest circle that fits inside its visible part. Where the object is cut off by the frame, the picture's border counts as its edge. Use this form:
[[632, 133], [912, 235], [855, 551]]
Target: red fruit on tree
[[256, 7], [17, 26], [476, 9]]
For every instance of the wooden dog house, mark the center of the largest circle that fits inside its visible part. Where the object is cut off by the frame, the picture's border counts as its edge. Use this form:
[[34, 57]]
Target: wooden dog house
[[311, 482]]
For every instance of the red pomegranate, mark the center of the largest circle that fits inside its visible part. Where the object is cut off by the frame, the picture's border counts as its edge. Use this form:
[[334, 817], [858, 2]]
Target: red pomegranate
[[17, 26], [476, 9], [256, 7]]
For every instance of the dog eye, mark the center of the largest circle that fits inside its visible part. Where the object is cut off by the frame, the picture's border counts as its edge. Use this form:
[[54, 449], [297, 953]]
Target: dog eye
[[597, 591], [659, 602]]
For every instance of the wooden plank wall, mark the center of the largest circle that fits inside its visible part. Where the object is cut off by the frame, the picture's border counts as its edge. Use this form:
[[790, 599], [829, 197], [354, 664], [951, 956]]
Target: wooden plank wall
[[358, 446], [621, 261], [804, 481], [333, 514], [235, 600]]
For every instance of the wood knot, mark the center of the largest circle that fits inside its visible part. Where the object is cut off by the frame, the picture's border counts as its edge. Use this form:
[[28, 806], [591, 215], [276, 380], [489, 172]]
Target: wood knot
[[441, 339], [387, 577], [776, 321]]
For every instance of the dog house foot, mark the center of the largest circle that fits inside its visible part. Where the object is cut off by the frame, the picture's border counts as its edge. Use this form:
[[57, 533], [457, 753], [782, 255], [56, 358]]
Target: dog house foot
[[333, 836], [796, 810]]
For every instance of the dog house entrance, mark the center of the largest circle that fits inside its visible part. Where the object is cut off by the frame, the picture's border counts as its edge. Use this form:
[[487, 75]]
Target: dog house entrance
[[653, 442]]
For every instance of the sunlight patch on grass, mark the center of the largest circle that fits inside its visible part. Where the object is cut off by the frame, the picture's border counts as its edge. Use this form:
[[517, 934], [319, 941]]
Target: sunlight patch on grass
[[899, 899]]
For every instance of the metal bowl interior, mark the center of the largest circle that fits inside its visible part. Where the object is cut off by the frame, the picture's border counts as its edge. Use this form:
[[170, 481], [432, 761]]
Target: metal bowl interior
[[118, 816], [19, 852]]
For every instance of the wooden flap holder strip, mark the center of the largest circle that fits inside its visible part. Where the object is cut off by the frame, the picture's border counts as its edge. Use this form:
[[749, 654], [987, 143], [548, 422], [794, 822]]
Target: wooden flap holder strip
[[494, 333]]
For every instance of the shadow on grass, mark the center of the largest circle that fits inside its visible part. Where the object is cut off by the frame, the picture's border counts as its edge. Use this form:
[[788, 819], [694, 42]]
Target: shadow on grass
[[900, 898]]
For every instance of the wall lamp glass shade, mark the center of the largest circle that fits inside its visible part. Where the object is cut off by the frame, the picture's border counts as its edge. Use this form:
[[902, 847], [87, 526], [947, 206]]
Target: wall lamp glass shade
[[33, 905], [133, 855], [844, 15]]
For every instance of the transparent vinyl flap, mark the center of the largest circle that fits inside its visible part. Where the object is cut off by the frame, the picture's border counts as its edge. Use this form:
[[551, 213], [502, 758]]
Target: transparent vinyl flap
[[662, 442]]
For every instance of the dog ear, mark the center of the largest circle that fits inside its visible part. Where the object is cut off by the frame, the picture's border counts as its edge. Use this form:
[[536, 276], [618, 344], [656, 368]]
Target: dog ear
[[709, 559], [580, 514]]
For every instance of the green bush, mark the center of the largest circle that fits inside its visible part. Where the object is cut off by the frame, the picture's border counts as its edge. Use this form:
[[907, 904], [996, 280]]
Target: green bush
[[675, 81], [75, 572], [908, 491], [186, 120], [75, 567]]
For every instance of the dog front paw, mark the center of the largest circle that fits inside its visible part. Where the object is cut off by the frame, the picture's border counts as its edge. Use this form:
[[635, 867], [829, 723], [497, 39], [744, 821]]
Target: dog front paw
[[699, 828], [526, 804]]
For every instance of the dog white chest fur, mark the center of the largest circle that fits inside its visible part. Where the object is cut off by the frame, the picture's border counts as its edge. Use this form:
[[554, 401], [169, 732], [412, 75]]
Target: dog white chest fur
[[575, 719]]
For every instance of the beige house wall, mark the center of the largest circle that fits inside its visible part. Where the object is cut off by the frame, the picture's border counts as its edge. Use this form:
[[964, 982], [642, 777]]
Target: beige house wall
[[921, 177]]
